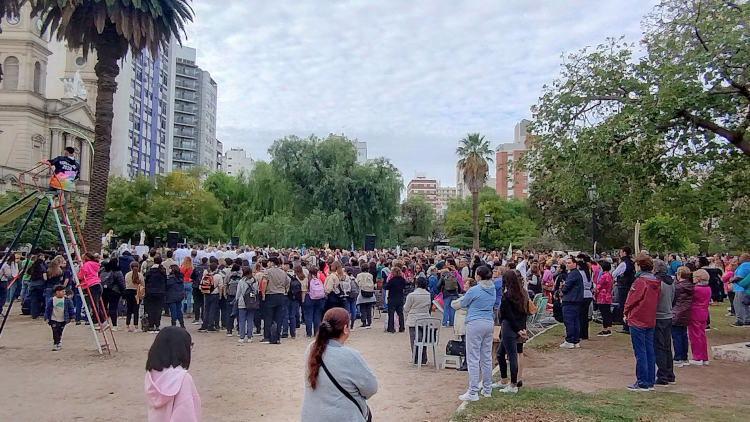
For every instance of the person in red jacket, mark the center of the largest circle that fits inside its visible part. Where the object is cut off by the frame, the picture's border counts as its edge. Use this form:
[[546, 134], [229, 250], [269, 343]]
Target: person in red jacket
[[640, 315]]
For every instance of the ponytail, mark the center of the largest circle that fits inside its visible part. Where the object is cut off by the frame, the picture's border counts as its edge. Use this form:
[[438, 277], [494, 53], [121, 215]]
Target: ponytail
[[332, 327]]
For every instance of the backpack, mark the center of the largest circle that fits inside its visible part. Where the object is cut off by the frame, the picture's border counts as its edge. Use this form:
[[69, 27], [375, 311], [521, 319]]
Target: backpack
[[234, 280], [107, 279], [353, 290], [295, 289], [450, 282], [250, 297], [207, 283], [345, 287], [316, 289]]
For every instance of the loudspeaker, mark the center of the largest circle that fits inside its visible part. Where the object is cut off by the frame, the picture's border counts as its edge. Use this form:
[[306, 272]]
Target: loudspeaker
[[113, 243], [172, 238], [370, 242], [157, 242], [235, 241]]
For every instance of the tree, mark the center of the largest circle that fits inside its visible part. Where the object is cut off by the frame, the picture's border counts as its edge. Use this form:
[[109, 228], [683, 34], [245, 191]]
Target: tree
[[665, 131], [111, 27], [664, 233], [417, 217], [474, 152]]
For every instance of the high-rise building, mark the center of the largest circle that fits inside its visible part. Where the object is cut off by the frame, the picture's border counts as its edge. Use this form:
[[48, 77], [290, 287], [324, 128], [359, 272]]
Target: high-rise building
[[444, 195], [142, 127], [361, 147], [462, 191], [44, 90], [237, 161], [195, 142], [511, 182], [435, 195]]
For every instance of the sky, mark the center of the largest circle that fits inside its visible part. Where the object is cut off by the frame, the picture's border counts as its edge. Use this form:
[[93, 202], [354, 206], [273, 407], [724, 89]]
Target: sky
[[411, 78]]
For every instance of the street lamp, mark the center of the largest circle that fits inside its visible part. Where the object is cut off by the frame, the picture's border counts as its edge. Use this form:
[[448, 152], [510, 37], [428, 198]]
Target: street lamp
[[591, 191], [487, 230]]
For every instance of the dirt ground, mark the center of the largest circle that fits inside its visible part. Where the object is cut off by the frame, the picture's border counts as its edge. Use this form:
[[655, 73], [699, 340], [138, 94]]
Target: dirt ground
[[252, 382], [605, 363]]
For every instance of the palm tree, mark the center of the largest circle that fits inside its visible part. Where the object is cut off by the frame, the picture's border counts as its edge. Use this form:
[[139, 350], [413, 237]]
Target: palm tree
[[111, 27], [473, 155]]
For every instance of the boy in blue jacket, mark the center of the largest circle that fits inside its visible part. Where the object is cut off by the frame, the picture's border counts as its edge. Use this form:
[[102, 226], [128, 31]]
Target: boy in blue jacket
[[59, 311]]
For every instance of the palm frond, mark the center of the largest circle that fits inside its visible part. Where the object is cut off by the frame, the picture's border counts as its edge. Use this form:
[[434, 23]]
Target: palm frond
[[474, 153]]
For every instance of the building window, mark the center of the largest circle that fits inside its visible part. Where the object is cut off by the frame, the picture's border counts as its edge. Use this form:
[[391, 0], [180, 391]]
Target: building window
[[10, 73], [38, 78]]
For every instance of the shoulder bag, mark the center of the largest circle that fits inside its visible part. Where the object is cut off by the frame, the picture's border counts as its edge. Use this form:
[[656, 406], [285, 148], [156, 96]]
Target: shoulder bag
[[346, 393]]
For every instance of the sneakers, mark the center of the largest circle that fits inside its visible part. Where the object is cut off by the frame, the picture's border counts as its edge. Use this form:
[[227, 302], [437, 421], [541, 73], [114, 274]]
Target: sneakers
[[705, 363], [566, 345], [197, 322], [202, 330], [241, 341], [486, 394], [578, 345], [265, 341], [469, 397], [249, 340], [696, 362], [621, 331], [229, 334], [499, 384], [130, 329], [736, 324], [681, 363], [509, 389], [115, 328], [55, 347], [635, 387], [604, 333]]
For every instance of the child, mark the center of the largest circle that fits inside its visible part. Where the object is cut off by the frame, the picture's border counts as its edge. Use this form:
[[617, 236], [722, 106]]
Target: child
[[59, 311], [698, 317], [170, 391], [683, 301]]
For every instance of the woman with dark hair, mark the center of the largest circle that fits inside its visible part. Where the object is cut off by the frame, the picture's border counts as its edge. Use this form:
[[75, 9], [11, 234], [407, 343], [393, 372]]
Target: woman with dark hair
[[54, 276], [535, 280], [156, 288], [366, 298], [113, 286], [603, 296], [417, 306], [170, 390], [38, 273], [175, 294], [584, 267], [395, 288], [338, 381], [514, 308], [133, 283], [88, 276], [572, 297]]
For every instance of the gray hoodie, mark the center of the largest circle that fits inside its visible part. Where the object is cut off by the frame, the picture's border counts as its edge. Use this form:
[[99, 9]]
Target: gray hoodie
[[666, 297]]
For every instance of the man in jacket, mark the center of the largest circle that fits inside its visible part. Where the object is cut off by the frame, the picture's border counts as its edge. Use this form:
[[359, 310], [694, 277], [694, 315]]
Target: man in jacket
[[124, 260], [571, 303], [195, 277], [663, 328], [640, 314], [624, 275], [741, 310]]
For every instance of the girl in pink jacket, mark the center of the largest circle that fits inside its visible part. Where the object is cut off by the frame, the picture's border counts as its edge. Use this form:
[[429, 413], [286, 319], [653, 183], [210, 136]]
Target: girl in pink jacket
[[170, 392], [698, 317], [88, 276]]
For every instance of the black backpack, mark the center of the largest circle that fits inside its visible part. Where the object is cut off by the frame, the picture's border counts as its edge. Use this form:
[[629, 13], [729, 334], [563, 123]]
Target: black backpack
[[295, 290], [234, 280], [250, 297]]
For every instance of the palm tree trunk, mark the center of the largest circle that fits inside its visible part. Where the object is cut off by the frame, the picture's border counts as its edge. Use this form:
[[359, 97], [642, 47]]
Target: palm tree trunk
[[109, 50], [475, 217]]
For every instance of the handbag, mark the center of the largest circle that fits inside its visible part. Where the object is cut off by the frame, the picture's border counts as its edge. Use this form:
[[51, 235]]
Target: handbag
[[455, 348], [346, 393]]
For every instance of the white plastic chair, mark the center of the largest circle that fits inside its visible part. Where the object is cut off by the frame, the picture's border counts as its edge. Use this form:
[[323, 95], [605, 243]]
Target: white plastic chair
[[427, 335]]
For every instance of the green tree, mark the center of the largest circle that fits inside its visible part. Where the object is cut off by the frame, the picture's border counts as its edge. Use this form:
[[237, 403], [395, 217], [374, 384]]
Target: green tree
[[664, 233], [111, 28], [48, 238], [417, 217], [474, 152]]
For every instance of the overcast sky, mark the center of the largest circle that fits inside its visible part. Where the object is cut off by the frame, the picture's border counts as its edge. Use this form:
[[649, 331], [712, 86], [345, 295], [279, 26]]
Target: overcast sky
[[410, 78]]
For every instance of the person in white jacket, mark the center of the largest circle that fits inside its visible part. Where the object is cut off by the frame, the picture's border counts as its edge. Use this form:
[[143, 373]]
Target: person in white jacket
[[417, 306]]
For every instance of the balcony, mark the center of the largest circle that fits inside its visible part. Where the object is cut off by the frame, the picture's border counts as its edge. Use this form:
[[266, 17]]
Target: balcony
[[178, 131], [186, 97], [186, 108], [187, 145], [191, 85], [185, 120], [185, 157]]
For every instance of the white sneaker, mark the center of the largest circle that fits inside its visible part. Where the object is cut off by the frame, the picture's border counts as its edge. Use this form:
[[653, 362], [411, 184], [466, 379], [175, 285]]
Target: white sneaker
[[115, 328], [469, 397], [705, 363], [499, 384], [509, 389], [229, 334], [249, 340], [696, 362], [137, 330], [241, 341], [197, 322], [566, 345], [578, 345], [486, 394]]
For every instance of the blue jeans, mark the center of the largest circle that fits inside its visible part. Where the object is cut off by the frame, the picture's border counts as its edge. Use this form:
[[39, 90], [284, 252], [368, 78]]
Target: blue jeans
[[245, 321], [36, 293], [384, 296], [572, 322], [3, 292], [25, 285], [448, 312], [175, 312], [188, 297], [351, 306], [680, 342], [313, 310], [78, 303], [289, 325], [645, 358]]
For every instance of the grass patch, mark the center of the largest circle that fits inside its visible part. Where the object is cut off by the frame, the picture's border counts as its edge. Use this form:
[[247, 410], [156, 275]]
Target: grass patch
[[553, 404]]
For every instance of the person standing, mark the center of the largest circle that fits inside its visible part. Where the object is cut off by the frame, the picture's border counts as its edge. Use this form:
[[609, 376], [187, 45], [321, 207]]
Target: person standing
[[480, 323], [449, 286], [603, 297], [186, 269], [58, 312], [156, 287], [8, 271], [514, 309], [65, 171], [314, 302], [113, 286], [175, 294], [663, 328], [195, 278], [699, 318], [640, 315], [248, 301], [417, 306], [133, 283], [624, 275], [212, 282], [38, 273], [572, 291], [277, 286], [683, 302], [366, 298], [338, 381], [395, 288], [92, 287], [741, 310]]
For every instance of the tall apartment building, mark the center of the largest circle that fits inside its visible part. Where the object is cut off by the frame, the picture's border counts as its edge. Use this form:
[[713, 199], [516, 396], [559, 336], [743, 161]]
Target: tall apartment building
[[462, 191], [46, 102], [237, 161], [437, 196], [512, 182], [195, 142], [142, 127], [361, 147]]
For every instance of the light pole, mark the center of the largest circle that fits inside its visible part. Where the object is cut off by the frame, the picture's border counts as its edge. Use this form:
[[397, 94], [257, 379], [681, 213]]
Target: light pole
[[591, 191], [487, 231]]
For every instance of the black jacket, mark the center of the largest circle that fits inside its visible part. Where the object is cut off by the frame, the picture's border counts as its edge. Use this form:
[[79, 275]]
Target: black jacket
[[510, 312], [175, 288], [395, 287], [626, 279], [156, 282]]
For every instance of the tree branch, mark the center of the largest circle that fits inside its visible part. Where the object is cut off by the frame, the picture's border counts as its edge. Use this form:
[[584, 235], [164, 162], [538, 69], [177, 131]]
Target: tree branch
[[734, 136]]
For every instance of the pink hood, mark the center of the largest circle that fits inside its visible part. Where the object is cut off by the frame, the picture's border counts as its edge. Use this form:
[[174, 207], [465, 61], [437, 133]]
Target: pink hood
[[172, 396]]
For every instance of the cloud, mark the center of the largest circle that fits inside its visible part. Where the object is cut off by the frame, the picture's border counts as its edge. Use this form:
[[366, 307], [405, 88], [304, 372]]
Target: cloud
[[410, 78]]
